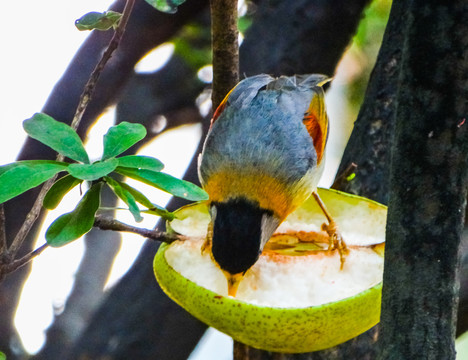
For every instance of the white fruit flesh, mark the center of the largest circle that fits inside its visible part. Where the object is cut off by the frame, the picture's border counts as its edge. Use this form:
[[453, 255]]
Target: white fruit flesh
[[284, 281]]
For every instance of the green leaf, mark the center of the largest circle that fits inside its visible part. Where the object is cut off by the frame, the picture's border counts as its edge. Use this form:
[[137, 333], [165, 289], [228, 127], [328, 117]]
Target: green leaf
[[160, 211], [139, 196], [56, 193], [75, 224], [126, 197], [167, 6], [93, 171], [21, 178], [2, 356], [165, 182], [57, 135], [193, 45], [10, 166], [121, 137], [99, 21], [141, 162], [143, 200]]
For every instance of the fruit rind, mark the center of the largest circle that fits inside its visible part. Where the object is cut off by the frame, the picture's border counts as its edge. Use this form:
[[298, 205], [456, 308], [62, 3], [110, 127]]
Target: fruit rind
[[288, 330], [284, 329]]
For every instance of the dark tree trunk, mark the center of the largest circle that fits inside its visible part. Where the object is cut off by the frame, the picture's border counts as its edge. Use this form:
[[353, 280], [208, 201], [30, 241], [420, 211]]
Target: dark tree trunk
[[300, 36], [428, 184], [370, 142]]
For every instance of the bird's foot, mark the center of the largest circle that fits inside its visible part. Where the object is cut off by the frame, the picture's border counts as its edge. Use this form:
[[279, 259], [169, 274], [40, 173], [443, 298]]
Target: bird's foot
[[335, 241]]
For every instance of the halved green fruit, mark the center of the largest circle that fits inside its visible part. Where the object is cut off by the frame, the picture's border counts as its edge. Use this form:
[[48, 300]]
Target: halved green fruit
[[295, 298]]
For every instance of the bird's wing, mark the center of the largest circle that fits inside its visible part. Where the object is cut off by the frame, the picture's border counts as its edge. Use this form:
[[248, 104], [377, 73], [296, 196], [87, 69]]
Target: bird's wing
[[243, 93], [315, 118], [316, 122]]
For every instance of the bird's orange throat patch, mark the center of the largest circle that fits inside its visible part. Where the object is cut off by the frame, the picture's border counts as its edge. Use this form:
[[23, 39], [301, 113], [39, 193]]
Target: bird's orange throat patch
[[268, 192]]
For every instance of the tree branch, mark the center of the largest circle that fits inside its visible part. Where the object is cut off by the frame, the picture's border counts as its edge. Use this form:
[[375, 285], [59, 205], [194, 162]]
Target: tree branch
[[95, 75], [224, 38], [343, 178], [3, 238], [82, 105], [16, 264], [299, 37], [105, 223]]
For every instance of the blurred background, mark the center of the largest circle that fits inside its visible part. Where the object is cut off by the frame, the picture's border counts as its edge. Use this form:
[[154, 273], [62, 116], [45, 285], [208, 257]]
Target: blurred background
[[45, 41]]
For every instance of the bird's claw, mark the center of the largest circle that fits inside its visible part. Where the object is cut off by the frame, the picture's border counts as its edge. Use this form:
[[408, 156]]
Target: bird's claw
[[336, 241]]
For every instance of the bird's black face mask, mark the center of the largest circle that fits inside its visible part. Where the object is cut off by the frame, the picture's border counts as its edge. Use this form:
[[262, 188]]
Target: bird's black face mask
[[238, 237]]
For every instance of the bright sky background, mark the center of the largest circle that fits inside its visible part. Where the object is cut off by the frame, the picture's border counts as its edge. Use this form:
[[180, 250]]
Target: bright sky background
[[38, 41]]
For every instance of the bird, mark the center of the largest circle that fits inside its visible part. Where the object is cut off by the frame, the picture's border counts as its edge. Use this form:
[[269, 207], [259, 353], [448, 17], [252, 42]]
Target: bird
[[262, 158]]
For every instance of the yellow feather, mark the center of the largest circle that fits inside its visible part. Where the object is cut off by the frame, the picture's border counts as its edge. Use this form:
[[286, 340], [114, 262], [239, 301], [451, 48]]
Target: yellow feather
[[268, 192]]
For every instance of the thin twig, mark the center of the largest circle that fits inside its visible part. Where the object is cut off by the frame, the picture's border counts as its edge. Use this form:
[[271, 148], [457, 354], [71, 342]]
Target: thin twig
[[30, 219], [343, 177], [3, 241], [15, 265], [105, 223], [91, 84], [82, 105]]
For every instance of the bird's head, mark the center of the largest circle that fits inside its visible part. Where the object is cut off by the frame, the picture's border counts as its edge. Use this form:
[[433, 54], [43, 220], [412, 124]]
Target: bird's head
[[240, 230]]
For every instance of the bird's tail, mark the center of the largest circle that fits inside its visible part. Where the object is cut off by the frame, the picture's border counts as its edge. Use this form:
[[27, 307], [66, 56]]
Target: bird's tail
[[304, 80]]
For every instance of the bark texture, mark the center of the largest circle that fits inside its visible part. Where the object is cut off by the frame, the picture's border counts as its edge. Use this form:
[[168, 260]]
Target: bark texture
[[370, 142], [428, 184], [362, 348], [225, 45]]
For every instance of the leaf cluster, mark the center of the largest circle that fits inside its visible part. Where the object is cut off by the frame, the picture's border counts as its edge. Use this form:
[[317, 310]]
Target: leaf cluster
[[167, 6], [99, 21], [106, 20], [20, 176]]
